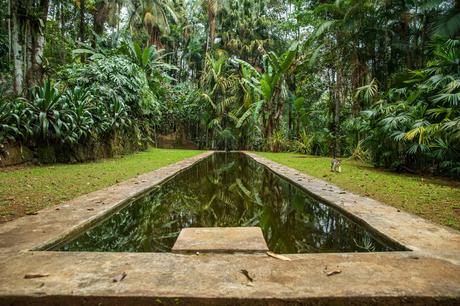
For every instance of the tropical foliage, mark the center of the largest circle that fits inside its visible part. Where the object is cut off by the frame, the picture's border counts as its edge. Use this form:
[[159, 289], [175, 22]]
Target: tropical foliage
[[374, 80]]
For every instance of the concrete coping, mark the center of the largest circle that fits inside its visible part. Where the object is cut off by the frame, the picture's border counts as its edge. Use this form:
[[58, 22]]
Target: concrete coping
[[427, 275]]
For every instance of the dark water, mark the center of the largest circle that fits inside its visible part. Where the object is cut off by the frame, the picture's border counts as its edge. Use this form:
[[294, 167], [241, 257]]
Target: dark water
[[228, 190]]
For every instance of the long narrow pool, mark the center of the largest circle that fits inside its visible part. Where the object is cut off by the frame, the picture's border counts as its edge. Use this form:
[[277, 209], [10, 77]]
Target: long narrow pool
[[229, 189]]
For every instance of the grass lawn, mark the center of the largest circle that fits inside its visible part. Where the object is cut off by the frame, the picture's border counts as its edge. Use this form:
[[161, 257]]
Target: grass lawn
[[29, 189], [433, 198]]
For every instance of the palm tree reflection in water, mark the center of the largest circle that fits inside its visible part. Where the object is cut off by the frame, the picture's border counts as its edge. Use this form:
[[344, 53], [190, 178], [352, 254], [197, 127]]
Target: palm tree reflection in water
[[228, 189]]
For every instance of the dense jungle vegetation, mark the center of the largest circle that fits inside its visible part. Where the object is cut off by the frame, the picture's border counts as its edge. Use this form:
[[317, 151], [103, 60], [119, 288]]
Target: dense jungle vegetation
[[375, 80]]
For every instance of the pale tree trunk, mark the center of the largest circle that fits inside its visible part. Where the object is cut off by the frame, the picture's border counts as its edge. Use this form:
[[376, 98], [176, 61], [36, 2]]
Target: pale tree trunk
[[82, 21], [27, 40], [62, 18], [82, 27], [9, 32], [17, 49], [338, 98], [211, 6], [40, 43], [27, 48]]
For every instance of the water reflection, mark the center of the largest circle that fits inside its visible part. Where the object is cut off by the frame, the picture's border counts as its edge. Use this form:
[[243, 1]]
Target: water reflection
[[228, 190]]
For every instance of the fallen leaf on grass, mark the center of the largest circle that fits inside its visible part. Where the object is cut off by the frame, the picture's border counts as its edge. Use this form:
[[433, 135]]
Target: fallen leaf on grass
[[119, 277], [246, 273], [333, 272], [277, 256], [35, 275]]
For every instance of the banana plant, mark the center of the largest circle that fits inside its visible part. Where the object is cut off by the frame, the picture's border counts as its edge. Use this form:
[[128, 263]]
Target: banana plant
[[267, 92]]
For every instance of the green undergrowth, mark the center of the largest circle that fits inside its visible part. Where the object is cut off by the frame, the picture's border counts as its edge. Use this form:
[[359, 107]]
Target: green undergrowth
[[27, 189], [433, 198]]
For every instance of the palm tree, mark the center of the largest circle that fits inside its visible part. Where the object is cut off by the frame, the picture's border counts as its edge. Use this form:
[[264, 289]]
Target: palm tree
[[211, 9], [154, 16], [243, 29], [220, 92]]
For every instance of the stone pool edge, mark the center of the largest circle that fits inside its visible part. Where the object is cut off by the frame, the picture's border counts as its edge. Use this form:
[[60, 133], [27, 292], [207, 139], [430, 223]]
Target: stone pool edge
[[415, 233], [50, 225], [421, 277]]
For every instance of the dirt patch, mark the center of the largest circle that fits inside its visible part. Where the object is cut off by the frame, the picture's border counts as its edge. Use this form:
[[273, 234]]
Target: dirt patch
[[173, 141]]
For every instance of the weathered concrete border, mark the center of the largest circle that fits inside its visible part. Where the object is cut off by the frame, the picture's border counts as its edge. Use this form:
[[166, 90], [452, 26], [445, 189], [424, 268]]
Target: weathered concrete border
[[56, 223], [427, 276], [417, 234]]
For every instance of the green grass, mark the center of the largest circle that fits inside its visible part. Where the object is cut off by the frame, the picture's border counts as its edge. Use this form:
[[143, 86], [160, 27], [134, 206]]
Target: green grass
[[29, 189], [432, 198]]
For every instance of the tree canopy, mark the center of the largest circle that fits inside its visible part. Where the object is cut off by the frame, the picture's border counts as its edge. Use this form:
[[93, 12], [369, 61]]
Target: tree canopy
[[374, 80]]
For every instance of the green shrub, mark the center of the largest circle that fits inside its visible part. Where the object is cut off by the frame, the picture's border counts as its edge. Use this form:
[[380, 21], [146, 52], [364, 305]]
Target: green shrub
[[10, 122], [303, 144]]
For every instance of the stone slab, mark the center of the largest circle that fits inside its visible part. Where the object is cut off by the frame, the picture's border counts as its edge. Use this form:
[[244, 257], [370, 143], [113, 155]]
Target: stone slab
[[220, 240]]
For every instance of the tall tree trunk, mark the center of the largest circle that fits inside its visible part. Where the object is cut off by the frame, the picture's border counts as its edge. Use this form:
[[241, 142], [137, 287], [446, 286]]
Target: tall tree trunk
[[338, 99], [61, 21], [154, 37], [82, 21], [211, 6], [99, 17], [291, 82], [32, 21], [38, 45], [82, 26], [405, 33], [9, 32], [357, 80], [17, 48], [27, 48], [28, 42], [62, 18], [118, 17]]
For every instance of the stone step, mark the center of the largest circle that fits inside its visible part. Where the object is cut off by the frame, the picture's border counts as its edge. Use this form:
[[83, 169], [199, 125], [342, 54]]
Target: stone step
[[220, 240]]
